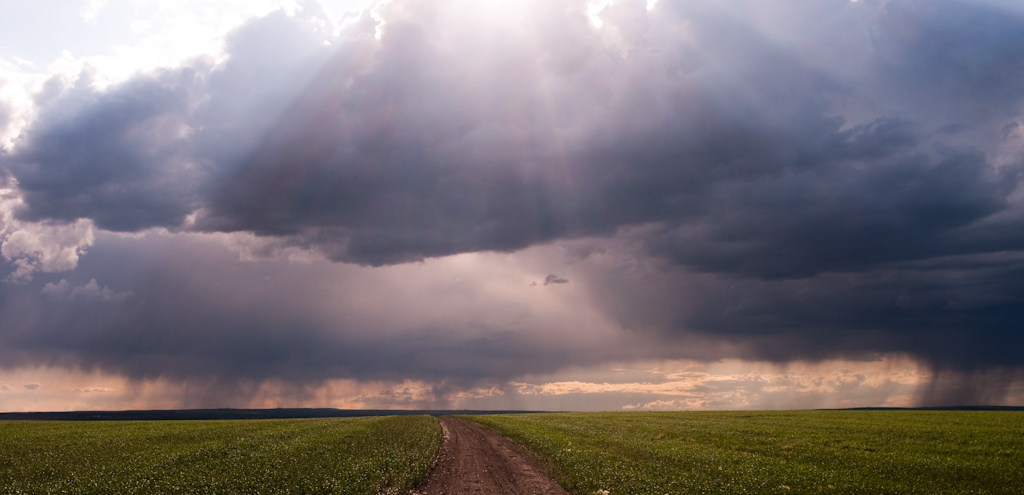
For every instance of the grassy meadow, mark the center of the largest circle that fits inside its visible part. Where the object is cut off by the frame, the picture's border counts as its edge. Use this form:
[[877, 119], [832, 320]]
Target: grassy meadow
[[293, 456], [859, 452]]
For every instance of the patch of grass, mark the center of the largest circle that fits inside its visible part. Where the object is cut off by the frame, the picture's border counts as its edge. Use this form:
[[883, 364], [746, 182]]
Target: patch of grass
[[869, 452], [293, 456]]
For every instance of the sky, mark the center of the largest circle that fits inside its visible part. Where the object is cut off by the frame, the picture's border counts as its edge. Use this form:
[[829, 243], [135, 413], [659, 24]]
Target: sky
[[511, 204]]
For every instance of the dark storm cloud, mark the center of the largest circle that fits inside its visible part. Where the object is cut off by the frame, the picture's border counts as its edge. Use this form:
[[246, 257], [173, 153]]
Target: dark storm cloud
[[811, 181], [141, 153], [271, 61], [451, 136], [452, 139], [961, 312], [724, 140], [184, 309], [846, 215], [109, 156], [964, 56]]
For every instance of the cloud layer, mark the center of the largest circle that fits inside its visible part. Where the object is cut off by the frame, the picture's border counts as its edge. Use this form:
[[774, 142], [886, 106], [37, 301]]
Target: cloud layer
[[722, 179]]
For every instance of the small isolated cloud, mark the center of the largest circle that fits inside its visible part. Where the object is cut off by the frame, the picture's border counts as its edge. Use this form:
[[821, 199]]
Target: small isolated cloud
[[408, 394], [4, 387], [31, 386], [555, 279], [478, 392], [93, 390], [65, 291]]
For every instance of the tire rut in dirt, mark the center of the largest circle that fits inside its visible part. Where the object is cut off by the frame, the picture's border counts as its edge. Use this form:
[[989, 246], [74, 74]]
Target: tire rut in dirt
[[474, 460]]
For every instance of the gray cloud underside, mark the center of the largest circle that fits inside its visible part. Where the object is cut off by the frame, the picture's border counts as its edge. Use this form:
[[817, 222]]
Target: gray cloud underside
[[194, 311], [811, 181]]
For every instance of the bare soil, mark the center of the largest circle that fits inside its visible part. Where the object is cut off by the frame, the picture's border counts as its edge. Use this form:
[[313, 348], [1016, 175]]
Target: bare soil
[[474, 460]]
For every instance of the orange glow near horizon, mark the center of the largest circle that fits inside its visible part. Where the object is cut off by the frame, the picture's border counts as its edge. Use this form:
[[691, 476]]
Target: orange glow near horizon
[[890, 381]]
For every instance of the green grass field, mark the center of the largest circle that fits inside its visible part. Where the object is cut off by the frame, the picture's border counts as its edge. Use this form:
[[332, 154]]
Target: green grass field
[[297, 456], [867, 452]]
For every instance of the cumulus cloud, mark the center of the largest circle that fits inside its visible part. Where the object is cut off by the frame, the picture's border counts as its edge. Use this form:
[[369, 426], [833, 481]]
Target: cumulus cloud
[[45, 246], [463, 129], [108, 156], [6, 116], [91, 291], [139, 154], [769, 185]]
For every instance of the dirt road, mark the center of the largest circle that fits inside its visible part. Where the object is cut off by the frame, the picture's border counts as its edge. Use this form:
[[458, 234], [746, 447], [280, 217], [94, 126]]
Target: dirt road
[[474, 460]]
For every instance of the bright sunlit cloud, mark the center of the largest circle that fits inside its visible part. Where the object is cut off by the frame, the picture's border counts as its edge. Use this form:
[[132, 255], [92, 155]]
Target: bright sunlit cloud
[[594, 9]]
